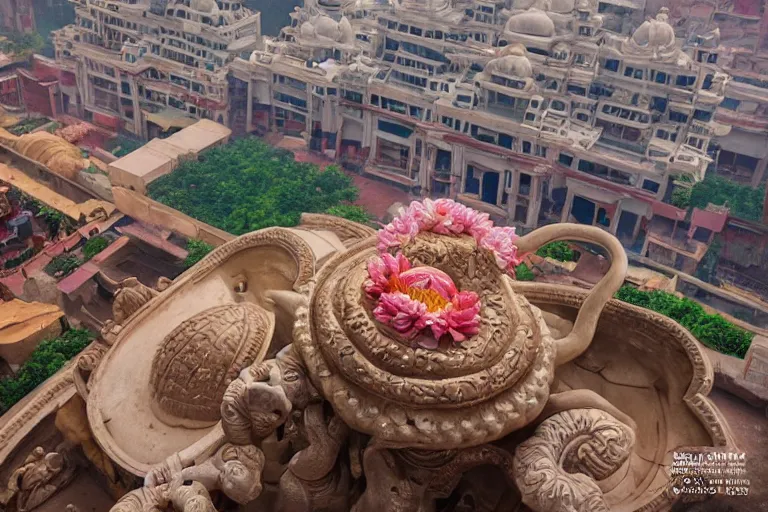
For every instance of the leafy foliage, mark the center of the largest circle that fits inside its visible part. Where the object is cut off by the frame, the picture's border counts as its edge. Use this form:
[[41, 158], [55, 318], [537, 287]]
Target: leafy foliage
[[744, 201], [196, 249], [21, 258], [48, 358], [713, 331], [62, 265], [350, 212], [21, 43], [124, 145], [248, 185], [523, 273], [559, 251], [681, 197], [27, 125], [94, 246]]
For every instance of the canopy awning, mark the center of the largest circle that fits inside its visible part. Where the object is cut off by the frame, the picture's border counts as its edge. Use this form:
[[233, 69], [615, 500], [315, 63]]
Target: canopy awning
[[167, 119]]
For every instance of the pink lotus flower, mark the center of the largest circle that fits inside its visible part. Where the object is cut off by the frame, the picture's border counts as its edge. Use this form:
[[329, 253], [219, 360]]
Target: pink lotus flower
[[381, 269], [459, 318], [443, 216], [500, 241], [414, 300], [400, 231], [400, 312], [429, 278]]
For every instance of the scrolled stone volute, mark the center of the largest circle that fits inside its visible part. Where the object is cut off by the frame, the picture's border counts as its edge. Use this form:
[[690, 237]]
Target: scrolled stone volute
[[557, 469], [202, 356]]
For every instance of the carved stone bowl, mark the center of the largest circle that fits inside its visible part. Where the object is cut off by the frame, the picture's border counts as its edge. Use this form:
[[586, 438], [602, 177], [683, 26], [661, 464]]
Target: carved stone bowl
[[158, 390], [654, 371], [406, 396]]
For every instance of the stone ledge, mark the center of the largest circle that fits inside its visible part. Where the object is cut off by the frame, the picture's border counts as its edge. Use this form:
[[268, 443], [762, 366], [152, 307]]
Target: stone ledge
[[729, 376]]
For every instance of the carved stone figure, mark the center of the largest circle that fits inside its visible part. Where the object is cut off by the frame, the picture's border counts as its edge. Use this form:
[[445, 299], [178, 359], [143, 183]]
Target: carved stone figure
[[316, 479], [178, 495], [234, 469], [409, 397], [209, 350], [39, 477], [263, 397], [132, 295]]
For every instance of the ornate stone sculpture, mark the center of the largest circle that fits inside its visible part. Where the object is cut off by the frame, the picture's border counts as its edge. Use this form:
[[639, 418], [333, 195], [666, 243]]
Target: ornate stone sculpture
[[39, 477], [129, 298], [419, 374], [558, 468], [198, 360]]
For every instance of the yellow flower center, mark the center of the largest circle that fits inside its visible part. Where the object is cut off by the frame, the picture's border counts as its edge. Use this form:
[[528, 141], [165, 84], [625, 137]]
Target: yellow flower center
[[433, 300]]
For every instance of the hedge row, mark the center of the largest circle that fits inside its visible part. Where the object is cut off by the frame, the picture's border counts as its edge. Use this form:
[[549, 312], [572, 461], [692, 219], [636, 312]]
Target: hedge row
[[560, 251], [713, 331], [48, 358]]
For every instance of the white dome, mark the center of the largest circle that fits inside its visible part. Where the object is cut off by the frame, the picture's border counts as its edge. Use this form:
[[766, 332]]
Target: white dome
[[307, 30], [323, 26], [345, 31], [533, 22], [655, 33], [203, 5], [513, 62]]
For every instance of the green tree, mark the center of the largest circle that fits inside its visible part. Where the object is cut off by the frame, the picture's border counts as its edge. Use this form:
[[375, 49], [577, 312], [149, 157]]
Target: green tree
[[248, 185], [560, 251], [196, 251], [351, 212], [47, 359], [62, 265], [523, 273], [744, 201]]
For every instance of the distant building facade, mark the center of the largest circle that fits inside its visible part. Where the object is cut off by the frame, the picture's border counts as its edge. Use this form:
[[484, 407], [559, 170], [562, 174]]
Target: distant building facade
[[146, 66], [17, 16], [535, 111], [533, 116]]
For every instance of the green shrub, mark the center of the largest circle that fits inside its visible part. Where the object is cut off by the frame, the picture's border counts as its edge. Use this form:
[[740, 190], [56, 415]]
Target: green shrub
[[744, 201], [713, 331], [123, 146], [22, 44], [523, 273], [21, 258], [559, 251], [196, 251], [248, 185], [681, 197], [350, 212], [62, 265], [94, 246], [48, 358]]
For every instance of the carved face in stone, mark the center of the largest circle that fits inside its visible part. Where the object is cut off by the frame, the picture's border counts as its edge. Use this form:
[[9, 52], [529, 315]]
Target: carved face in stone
[[241, 472], [601, 454]]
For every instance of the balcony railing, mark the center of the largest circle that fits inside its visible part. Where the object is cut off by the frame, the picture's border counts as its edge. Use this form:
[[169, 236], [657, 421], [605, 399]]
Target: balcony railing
[[634, 147], [739, 280]]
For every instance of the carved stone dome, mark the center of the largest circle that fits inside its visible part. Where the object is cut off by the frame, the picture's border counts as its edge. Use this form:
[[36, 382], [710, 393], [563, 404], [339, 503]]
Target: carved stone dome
[[379, 383], [513, 61], [657, 33], [203, 5], [532, 22], [197, 361]]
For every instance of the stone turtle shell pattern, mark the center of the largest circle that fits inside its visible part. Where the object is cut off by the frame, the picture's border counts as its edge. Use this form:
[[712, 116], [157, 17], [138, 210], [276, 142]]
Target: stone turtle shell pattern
[[197, 361]]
